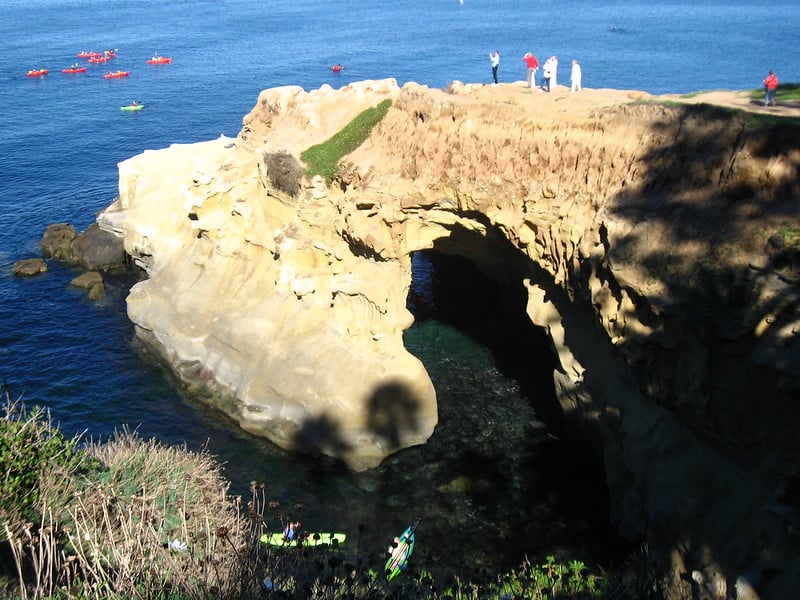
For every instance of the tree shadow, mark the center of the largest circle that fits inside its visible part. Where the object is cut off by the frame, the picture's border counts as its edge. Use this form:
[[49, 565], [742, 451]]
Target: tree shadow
[[393, 409]]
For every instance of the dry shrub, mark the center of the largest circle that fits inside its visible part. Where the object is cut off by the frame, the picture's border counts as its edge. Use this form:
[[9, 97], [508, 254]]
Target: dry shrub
[[151, 520], [284, 171]]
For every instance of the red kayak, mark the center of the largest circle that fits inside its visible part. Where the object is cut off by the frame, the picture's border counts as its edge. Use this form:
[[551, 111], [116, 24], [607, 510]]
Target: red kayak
[[37, 72], [99, 59], [111, 75], [85, 54], [73, 70], [336, 68], [159, 60]]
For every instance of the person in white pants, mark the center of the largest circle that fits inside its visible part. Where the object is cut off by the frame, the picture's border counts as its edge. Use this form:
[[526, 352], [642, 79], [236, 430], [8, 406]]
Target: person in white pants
[[575, 77]]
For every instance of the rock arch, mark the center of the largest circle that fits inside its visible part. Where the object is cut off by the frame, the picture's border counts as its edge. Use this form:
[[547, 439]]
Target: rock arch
[[627, 218]]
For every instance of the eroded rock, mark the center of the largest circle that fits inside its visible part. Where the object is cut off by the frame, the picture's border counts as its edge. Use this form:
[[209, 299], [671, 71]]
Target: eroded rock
[[629, 229]]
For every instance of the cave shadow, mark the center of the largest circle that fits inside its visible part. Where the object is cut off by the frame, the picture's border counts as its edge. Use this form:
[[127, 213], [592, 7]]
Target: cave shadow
[[488, 303]]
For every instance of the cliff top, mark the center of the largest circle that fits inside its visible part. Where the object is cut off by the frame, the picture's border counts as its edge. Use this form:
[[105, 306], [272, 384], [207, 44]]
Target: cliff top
[[561, 101]]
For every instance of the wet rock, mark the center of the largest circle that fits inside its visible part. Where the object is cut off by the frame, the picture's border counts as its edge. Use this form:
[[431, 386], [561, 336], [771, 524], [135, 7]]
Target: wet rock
[[57, 242], [99, 249], [94, 249], [91, 281], [28, 267]]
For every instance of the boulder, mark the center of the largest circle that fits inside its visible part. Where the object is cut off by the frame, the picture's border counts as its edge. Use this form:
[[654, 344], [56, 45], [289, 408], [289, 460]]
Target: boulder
[[29, 266], [92, 281], [57, 242], [97, 249]]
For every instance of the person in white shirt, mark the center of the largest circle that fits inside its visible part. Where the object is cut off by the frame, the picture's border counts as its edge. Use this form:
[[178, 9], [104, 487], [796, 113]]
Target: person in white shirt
[[575, 77], [495, 58]]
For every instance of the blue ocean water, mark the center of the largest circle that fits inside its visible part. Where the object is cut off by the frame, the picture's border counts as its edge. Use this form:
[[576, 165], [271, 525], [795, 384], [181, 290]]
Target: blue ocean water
[[63, 136]]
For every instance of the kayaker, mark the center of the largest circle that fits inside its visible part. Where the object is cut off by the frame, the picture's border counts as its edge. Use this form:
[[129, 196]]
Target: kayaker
[[291, 530], [134, 103]]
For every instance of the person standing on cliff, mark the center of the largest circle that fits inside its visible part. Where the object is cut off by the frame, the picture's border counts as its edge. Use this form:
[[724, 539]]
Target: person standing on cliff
[[575, 77], [532, 64], [549, 73], [495, 58], [770, 85]]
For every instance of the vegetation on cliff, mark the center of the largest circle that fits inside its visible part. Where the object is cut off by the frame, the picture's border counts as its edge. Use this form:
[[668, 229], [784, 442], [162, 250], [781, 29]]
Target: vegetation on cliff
[[323, 159]]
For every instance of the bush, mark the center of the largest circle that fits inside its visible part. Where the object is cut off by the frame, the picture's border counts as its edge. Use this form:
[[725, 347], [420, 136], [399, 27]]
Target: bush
[[284, 171], [147, 520], [29, 446]]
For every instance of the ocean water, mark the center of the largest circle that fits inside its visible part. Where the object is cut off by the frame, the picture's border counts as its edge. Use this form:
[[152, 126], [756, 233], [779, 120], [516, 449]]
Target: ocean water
[[63, 136]]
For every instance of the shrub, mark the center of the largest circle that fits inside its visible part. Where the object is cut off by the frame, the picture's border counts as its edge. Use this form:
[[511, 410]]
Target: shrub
[[30, 445], [147, 520], [284, 171]]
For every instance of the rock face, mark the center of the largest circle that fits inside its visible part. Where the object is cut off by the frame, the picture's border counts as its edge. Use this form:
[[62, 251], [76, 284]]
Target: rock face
[[634, 232]]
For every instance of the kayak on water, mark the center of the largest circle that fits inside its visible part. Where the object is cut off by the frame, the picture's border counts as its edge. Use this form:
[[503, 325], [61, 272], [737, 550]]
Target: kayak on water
[[111, 75], [74, 69], [132, 107], [401, 552], [37, 72], [159, 60], [336, 68], [312, 539]]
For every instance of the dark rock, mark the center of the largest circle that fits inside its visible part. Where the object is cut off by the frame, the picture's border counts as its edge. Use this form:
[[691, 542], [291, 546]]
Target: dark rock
[[96, 249], [57, 242], [29, 266]]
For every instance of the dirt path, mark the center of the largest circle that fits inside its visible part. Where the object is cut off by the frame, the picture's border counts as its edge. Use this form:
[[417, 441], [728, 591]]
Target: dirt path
[[560, 101]]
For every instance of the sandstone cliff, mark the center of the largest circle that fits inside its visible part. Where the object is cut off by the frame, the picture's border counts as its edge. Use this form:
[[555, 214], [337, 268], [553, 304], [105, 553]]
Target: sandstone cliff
[[635, 231]]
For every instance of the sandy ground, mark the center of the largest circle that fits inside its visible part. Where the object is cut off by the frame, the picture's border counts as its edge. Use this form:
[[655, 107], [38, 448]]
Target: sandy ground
[[561, 100]]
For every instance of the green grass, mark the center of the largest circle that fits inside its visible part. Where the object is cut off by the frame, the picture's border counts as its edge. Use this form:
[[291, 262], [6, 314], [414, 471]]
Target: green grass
[[785, 92], [323, 159], [791, 234]]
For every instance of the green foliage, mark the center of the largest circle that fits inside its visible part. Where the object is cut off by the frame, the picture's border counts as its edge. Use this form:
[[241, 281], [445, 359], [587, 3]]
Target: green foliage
[[29, 445], [323, 159], [790, 234]]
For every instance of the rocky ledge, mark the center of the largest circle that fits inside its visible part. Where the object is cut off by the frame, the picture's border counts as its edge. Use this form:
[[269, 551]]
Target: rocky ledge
[[648, 239]]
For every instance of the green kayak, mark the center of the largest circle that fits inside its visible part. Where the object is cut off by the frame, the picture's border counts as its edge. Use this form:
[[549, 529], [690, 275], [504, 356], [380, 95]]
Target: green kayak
[[398, 561], [132, 107], [313, 539]]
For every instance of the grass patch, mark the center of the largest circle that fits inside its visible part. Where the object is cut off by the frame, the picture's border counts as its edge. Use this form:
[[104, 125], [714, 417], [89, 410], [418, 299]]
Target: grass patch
[[791, 234], [785, 92], [323, 159]]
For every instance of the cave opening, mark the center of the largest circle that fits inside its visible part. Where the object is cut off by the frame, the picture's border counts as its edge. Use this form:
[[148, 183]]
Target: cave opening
[[548, 483]]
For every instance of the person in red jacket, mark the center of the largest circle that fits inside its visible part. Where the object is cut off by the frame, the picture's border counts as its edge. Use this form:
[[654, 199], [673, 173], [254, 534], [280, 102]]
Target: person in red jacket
[[770, 85], [532, 63]]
